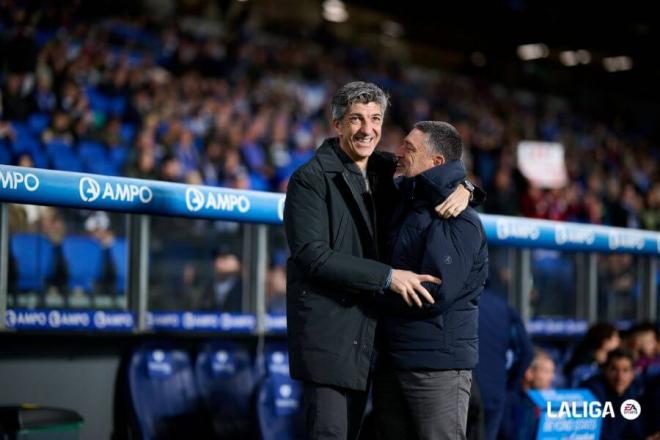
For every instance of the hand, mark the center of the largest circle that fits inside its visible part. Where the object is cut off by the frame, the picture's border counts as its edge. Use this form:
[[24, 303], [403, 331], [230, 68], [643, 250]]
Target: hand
[[409, 285], [455, 203]]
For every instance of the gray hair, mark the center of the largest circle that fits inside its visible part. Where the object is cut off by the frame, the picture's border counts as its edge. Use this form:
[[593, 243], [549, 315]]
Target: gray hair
[[357, 92], [442, 138]]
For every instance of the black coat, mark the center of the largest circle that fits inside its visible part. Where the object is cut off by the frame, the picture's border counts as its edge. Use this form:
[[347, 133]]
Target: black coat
[[333, 272], [444, 335]]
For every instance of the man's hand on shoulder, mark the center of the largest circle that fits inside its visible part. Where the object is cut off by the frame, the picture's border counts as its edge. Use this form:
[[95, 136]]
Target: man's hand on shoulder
[[409, 285], [455, 203]]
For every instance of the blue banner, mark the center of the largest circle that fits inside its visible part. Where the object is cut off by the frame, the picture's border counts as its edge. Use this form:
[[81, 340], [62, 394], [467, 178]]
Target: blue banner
[[88, 191], [38, 319], [568, 414], [201, 322]]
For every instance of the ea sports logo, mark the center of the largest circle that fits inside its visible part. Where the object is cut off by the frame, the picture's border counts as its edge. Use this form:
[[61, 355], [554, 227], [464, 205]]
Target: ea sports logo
[[630, 409], [194, 199], [89, 189]]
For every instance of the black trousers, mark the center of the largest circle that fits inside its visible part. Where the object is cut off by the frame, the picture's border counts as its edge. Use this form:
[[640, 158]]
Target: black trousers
[[333, 412]]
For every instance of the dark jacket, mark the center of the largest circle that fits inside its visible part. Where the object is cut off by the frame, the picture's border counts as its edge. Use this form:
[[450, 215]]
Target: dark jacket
[[444, 335], [501, 331], [617, 427], [333, 272]]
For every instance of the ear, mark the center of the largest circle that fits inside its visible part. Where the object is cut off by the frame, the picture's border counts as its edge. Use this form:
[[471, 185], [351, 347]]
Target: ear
[[438, 160], [336, 123]]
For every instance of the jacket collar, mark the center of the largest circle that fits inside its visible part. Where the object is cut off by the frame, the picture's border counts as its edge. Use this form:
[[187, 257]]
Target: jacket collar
[[328, 158], [435, 184]]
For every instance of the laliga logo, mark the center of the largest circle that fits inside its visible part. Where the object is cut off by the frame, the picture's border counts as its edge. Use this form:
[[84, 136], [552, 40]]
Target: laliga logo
[[158, 355], [222, 357], [89, 189], [194, 199]]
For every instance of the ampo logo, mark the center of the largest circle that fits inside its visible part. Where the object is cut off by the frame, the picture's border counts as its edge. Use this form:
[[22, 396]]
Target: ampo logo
[[222, 356], [54, 319], [278, 358], [285, 391], [630, 409], [194, 199], [158, 355], [14, 179], [11, 318], [90, 189]]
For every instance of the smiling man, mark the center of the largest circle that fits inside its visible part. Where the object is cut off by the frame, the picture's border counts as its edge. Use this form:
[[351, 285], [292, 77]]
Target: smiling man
[[422, 383], [337, 207]]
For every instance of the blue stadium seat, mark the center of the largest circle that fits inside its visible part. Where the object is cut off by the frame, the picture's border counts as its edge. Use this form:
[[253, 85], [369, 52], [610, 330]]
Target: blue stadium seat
[[34, 255], [118, 156], [164, 396], [5, 154], [279, 399], [91, 151], [67, 162], [226, 378], [38, 122], [119, 256], [128, 132], [58, 147], [84, 262], [102, 167], [26, 141]]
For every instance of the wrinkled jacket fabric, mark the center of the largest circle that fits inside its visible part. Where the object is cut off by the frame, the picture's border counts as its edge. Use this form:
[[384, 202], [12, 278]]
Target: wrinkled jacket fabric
[[333, 273], [443, 335]]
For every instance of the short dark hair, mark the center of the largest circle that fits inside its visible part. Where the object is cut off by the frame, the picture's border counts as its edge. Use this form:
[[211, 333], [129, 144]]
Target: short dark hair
[[618, 353], [442, 138], [360, 92]]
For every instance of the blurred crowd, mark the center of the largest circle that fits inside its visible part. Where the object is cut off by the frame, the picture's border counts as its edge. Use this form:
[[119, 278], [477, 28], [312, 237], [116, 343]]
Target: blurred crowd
[[244, 108], [613, 366]]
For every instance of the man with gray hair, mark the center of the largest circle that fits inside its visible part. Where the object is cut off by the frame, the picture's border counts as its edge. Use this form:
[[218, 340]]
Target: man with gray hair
[[422, 381], [336, 214]]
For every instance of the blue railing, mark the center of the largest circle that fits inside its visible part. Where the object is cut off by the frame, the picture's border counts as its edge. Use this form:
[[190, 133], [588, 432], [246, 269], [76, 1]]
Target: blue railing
[[87, 191]]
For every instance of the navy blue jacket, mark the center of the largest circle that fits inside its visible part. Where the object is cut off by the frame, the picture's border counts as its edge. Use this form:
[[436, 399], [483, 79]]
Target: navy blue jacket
[[617, 427], [441, 336], [500, 330]]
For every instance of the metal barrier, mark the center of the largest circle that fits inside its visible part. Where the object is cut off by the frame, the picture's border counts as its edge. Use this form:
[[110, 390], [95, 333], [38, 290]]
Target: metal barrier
[[141, 198]]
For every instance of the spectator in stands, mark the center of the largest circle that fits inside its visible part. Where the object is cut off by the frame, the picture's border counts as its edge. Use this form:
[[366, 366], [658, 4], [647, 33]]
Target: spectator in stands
[[17, 101], [541, 373], [276, 289], [650, 214], [60, 130], [591, 352], [171, 169], [224, 291], [643, 344], [520, 419], [505, 352], [616, 383]]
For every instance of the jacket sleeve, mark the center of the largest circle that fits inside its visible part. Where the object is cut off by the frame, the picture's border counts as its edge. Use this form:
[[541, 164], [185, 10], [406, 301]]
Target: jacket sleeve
[[306, 222], [449, 254]]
